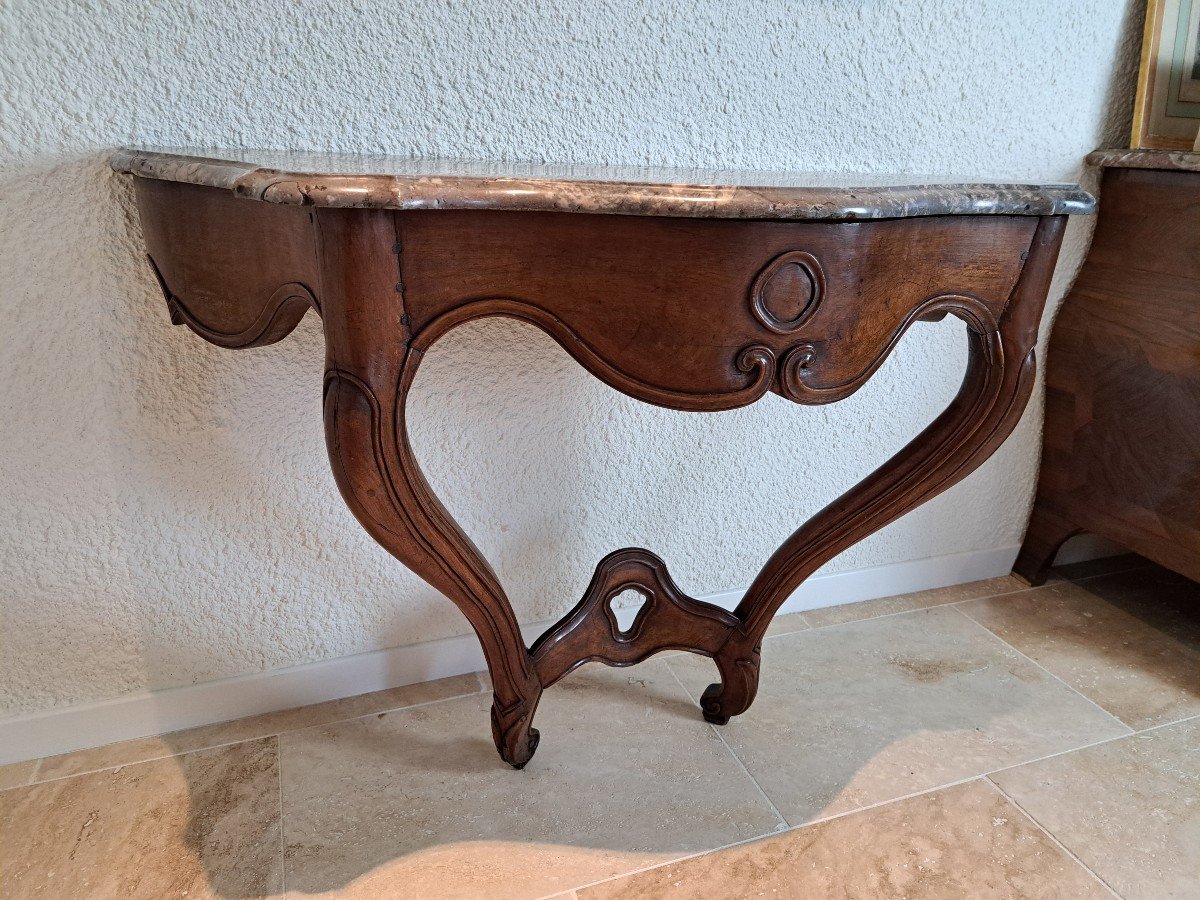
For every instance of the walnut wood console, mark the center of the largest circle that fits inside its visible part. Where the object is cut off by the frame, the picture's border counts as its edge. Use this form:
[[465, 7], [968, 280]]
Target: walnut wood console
[[1121, 455], [695, 291]]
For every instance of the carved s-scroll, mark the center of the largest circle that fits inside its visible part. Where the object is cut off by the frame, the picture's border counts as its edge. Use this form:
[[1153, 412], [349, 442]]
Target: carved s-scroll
[[799, 372]]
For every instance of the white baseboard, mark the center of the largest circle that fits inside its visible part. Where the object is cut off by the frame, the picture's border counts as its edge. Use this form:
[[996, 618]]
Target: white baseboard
[[159, 712]]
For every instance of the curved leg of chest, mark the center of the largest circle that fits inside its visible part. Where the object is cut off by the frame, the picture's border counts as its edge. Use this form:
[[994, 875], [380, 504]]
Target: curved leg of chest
[[1044, 536]]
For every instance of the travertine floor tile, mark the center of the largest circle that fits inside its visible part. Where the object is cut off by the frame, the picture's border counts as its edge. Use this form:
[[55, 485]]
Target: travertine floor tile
[[1129, 809], [204, 824], [416, 803], [788, 623], [16, 774], [865, 712], [964, 841], [1131, 656], [127, 752], [869, 609]]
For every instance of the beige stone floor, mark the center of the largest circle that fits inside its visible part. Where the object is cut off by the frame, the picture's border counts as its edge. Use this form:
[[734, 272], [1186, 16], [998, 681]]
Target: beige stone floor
[[976, 741]]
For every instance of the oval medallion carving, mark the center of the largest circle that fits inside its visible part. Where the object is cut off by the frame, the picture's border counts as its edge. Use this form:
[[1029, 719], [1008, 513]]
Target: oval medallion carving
[[786, 292]]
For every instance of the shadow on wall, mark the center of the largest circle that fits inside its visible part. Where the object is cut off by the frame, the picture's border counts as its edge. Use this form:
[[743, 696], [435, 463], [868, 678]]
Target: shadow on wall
[[65, 396]]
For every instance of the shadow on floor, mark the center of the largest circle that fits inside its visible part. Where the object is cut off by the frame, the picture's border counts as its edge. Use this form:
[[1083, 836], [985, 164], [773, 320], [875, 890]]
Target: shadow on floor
[[627, 774]]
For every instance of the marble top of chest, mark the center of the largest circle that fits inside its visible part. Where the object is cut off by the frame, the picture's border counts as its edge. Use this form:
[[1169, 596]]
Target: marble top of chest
[[385, 182], [1170, 160]]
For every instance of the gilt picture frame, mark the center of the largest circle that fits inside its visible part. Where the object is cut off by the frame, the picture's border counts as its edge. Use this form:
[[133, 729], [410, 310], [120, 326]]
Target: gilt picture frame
[[1166, 114]]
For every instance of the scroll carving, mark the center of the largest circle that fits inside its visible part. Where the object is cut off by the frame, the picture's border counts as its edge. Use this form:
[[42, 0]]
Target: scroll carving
[[800, 375], [739, 677], [997, 383], [797, 376]]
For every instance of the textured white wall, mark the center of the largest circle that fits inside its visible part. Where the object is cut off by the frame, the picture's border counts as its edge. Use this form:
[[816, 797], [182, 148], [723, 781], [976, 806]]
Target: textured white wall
[[166, 511]]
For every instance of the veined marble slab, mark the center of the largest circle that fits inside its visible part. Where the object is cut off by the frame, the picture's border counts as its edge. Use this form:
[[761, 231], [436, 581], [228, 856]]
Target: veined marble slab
[[383, 182], [1179, 160]]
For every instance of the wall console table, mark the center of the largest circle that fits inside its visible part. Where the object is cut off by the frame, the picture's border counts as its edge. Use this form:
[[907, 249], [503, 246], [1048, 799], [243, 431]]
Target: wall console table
[[691, 290], [1121, 454]]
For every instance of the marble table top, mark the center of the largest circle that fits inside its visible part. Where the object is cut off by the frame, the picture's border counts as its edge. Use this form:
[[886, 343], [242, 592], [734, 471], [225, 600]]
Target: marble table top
[[383, 182], [1178, 160]]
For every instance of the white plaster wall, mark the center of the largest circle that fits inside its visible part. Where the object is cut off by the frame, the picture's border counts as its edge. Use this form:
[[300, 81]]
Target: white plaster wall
[[167, 515]]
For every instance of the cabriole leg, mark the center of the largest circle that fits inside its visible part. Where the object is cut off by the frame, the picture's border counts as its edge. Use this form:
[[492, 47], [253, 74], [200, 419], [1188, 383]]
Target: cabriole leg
[[369, 370], [996, 387]]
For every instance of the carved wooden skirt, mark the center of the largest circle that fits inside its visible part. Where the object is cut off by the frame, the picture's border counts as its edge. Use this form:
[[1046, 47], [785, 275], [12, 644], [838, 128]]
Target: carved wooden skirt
[[687, 313]]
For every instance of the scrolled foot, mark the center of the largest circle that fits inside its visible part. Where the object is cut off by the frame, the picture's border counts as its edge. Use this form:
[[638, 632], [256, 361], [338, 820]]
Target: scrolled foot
[[738, 663], [515, 740], [531, 743], [710, 705]]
